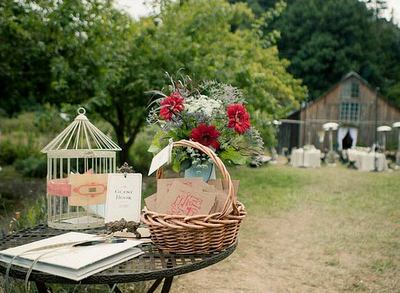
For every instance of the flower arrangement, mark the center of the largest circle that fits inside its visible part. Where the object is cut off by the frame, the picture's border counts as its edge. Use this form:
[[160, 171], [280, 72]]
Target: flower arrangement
[[211, 113]]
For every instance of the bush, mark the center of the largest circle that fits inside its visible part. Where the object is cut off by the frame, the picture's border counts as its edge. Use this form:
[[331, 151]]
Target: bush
[[32, 167], [138, 155], [21, 123], [10, 152]]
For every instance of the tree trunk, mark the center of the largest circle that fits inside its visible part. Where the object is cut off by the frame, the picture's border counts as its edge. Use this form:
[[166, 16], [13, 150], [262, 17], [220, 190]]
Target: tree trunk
[[126, 145], [124, 155], [126, 131]]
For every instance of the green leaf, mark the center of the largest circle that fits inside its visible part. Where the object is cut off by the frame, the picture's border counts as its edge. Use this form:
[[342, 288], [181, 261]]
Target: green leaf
[[155, 146], [233, 156]]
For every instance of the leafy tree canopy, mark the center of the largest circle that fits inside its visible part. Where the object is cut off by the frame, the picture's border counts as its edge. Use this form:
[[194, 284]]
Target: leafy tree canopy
[[89, 53], [324, 40]]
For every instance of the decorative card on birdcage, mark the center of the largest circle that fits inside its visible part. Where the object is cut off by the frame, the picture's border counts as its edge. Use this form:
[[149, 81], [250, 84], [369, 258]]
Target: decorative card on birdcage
[[88, 189]]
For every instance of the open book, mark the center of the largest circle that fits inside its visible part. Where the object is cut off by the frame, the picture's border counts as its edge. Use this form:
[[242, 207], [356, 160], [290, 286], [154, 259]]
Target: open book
[[74, 263]]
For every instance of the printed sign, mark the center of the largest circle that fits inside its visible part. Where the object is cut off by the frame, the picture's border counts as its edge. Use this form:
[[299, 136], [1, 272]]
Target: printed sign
[[124, 196]]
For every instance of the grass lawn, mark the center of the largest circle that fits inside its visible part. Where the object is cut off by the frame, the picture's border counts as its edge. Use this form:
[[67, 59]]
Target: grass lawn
[[311, 230]]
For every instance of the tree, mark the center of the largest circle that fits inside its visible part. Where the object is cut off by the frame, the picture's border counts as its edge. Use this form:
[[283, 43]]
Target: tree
[[98, 57], [24, 66], [198, 38], [324, 40]]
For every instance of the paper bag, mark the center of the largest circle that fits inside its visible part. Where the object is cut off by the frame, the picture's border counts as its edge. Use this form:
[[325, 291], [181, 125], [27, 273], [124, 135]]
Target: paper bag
[[184, 200], [87, 189], [163, 186], [151, 202], [217, 183], [207, 187], [220, 200], [220, 184]]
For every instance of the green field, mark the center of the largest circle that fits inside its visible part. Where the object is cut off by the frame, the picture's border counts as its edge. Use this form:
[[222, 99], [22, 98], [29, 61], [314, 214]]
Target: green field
[[311, 230]]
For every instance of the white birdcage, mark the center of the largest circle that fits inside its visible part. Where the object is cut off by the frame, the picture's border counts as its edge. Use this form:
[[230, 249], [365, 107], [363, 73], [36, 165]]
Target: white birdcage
[[80, 149]]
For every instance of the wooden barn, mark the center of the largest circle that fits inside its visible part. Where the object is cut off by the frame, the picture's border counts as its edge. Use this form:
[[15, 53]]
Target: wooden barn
[[355, 105]]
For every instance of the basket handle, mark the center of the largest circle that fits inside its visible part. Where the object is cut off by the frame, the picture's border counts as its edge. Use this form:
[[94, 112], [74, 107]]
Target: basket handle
[[230, 200]]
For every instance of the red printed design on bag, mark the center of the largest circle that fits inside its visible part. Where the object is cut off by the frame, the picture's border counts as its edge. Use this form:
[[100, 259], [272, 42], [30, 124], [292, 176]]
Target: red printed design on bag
[[93, 189], [190, 184], [186, 204]]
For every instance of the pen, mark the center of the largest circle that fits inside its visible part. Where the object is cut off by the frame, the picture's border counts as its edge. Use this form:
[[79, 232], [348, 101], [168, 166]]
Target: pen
[[106, 241]]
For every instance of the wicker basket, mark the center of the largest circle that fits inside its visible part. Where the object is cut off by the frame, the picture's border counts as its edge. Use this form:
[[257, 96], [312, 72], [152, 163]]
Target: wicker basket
[[199, 233]]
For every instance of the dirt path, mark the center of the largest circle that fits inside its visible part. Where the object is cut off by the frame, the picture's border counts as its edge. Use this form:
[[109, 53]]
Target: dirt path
[[318, 246]]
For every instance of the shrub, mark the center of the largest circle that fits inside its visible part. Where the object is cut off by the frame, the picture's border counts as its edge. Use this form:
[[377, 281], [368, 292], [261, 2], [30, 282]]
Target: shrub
[[23, 122], [138, 155], [35, 167], [36, 214], [10, 152]]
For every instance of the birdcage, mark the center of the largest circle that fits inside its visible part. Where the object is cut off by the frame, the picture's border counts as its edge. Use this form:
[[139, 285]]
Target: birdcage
[[81, 149]]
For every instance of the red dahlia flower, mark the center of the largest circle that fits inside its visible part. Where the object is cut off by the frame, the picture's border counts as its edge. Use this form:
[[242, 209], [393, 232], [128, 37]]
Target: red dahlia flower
[[206, 135], [171, 105], [238, 118]]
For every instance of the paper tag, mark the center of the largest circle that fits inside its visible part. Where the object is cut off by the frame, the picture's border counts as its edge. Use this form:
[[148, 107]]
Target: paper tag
[[87, 189], [124, 196], [163, 157]]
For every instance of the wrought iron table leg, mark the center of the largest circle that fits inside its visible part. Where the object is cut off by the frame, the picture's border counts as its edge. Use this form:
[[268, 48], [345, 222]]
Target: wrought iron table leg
[[115, 288], [155, 285], [167, 284]]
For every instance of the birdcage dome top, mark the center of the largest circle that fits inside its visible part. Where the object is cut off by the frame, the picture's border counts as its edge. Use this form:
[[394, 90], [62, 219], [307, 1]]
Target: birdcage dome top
[[81, 134]]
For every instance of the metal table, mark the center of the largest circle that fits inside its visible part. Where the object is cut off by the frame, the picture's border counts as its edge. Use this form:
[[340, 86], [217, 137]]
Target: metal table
[[154, 264]]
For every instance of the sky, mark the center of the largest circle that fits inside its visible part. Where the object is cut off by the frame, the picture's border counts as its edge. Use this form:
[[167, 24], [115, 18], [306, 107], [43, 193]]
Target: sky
[[137, 8], [395, 5]]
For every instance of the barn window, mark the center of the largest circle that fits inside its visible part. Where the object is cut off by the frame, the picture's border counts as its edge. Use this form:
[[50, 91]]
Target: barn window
[[349, 111], [351, 89]]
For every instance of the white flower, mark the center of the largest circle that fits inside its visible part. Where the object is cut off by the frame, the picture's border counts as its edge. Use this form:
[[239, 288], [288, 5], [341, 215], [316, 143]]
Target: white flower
[[201, 104]]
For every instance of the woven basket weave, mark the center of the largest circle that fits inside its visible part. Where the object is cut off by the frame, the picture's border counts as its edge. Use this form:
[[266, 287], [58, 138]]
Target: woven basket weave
[[199, 233]]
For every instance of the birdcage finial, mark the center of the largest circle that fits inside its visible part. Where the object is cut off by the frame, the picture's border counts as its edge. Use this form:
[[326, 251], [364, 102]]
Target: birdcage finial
[[81, 111]]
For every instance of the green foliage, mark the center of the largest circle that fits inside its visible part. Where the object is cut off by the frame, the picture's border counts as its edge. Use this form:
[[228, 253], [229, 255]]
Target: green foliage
[[10, 151], [24, 76], [324, 40], [21, 123], [35, 167], [209, 44], [49, 120], [89, 53], [139, 154], [207, 47], [267, 130], [34, 215]]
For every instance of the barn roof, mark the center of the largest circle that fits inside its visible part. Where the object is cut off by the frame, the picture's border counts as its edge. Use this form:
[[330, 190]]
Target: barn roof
[[347, 76]]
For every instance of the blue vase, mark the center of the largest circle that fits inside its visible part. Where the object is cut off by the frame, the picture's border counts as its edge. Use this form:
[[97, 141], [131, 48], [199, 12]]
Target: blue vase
[[205, 173]]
